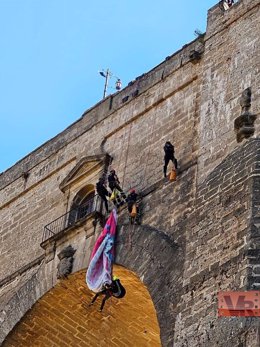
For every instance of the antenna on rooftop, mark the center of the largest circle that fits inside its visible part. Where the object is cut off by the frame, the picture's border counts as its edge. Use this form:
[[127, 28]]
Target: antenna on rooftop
[[107, 74]]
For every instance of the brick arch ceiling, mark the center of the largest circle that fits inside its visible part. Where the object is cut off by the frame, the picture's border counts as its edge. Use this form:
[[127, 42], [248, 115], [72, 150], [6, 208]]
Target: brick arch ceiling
[[62, 317]]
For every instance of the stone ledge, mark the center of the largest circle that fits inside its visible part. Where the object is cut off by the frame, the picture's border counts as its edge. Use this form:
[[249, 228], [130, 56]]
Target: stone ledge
[[23, 269]]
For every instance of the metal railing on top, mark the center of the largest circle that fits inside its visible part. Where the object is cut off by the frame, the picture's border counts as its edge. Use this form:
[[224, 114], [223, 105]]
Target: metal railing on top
[[72, 217]]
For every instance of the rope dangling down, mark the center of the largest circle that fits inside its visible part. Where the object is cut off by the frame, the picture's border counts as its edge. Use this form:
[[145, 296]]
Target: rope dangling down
[[100, 267]]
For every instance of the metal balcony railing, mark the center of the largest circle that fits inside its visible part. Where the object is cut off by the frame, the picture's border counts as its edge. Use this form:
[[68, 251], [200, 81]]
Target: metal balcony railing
[[72, 217]]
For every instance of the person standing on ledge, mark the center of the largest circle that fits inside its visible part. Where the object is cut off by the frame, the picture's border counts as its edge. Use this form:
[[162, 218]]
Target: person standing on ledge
[[169, 155], [230, 2], [227, 4]]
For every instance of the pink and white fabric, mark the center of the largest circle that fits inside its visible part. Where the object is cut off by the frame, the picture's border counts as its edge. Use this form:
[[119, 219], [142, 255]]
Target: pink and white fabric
[[101, 260]]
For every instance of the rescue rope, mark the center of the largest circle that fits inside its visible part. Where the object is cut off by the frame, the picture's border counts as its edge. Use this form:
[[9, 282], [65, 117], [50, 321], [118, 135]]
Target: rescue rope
[[129, 241], [127, 150], [149, 151]]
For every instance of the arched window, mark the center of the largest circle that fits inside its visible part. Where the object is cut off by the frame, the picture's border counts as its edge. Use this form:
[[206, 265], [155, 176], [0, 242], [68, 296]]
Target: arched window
[[82, 205]]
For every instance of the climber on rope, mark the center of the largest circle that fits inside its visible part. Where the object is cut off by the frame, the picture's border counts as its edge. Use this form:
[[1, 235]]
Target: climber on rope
[[113, 181], [114, 289], [118, 196], [132, 206], [169, 155], [102, 191]]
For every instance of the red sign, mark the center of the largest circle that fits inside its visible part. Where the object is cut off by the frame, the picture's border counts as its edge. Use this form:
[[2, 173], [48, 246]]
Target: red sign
[[239, 304]]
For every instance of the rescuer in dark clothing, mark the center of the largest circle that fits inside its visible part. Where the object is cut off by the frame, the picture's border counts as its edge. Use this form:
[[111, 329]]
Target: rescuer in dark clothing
[[169, 155], [113, 181], [131, 200], [114, 289], [102, 191]]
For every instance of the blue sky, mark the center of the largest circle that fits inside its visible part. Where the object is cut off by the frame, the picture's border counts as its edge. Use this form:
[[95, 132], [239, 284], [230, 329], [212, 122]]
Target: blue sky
[[52, 50]]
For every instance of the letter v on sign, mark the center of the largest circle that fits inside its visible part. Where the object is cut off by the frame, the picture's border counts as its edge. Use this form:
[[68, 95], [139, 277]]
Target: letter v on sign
[[239, 304]]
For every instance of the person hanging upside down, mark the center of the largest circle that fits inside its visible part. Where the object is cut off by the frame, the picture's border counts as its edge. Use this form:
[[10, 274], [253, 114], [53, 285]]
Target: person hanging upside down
[[114, 289]]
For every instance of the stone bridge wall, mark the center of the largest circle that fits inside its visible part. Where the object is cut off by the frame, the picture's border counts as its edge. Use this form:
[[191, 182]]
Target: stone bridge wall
[[211, 212]]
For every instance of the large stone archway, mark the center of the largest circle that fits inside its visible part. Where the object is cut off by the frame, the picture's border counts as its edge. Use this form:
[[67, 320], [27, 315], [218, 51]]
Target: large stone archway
[[158, 261], [62, 317]]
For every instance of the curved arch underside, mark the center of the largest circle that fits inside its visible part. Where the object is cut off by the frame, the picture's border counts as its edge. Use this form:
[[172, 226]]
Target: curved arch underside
[[62, 317]]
